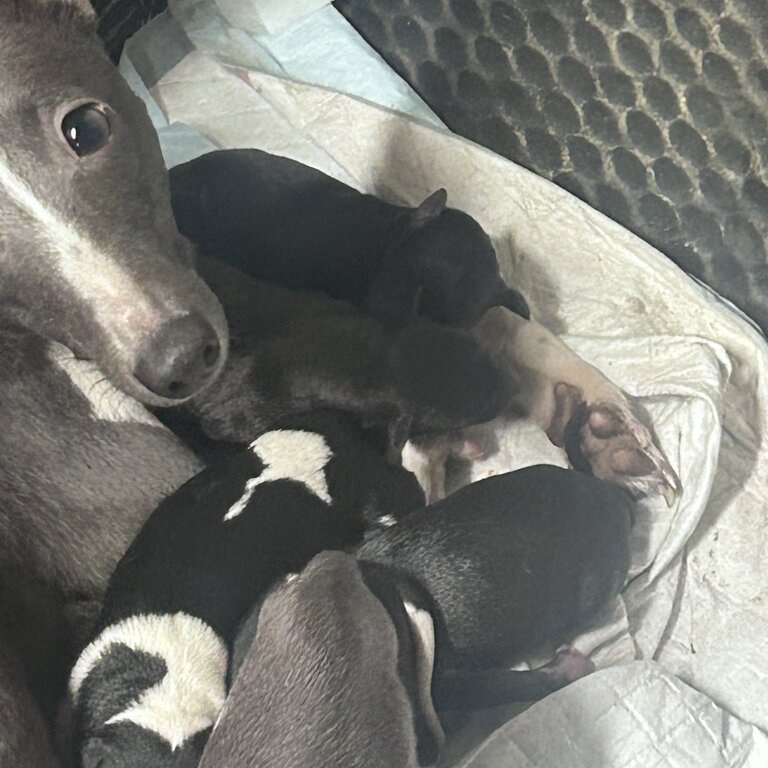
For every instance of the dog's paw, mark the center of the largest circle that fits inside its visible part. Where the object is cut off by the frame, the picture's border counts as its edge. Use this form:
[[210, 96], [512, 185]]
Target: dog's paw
[[607, 440], [568, 666]]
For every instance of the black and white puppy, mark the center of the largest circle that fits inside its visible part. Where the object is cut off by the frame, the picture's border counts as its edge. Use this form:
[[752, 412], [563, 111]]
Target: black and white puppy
[[286, 223], [150, 686]]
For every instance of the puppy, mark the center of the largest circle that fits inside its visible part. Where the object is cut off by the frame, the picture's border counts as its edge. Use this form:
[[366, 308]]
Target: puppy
[[294, 352], [502, 567], [346, 679], [149, 687], [283, 222]]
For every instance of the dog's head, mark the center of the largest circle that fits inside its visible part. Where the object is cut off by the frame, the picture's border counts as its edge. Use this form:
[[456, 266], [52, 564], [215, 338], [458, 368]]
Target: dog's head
[[90, 255]]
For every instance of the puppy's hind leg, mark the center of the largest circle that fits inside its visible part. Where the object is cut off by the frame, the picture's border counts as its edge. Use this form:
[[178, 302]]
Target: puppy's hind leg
[[578, 406]]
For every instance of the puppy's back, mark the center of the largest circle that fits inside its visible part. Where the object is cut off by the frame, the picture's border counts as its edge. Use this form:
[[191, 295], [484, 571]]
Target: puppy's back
[[514, 560]]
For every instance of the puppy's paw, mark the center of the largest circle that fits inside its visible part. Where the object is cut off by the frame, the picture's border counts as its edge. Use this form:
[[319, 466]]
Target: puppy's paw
[[608, 440], [568, 666]]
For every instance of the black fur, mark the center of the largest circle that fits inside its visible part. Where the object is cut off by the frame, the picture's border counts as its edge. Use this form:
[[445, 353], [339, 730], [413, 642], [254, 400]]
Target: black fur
[[501, 566], [505, 565], [288, 224], [292, 352], [188, 559]]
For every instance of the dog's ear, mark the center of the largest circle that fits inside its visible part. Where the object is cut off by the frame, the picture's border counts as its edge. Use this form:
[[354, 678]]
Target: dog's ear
[[429, 210]]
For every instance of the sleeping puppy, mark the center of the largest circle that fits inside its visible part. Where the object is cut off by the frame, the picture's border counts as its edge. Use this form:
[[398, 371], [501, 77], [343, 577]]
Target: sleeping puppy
[[148, 688], [346, 678], [293, 352], [288, 224], [438, 604], [503, 567]]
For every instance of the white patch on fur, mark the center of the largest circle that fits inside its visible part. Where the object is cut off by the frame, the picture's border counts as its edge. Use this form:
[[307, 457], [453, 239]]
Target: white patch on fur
[[521, 666], [424, 630], [107, 402], [429, 468], [190, 696], [288, 454], [387, 521], [421, 621], [110, 291]]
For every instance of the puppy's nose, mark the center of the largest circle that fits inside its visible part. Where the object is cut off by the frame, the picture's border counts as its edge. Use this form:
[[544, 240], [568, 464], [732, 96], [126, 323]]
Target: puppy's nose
[[180, 358]]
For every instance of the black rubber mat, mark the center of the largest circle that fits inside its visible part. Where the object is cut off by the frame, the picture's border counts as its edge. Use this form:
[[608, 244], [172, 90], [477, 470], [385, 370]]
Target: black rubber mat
[[653, 111]]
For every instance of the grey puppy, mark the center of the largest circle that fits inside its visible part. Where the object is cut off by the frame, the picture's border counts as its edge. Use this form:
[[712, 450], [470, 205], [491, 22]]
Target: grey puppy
[[327, 681]]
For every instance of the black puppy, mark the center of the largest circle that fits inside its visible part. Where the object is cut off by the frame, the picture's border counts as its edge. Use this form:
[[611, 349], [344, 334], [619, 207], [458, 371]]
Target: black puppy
[[504, 566], [289, 224], [293, 352], [151, 684]]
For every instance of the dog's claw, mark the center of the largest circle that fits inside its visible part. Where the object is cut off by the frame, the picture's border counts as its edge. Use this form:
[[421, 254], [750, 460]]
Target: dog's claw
[[607, 440]]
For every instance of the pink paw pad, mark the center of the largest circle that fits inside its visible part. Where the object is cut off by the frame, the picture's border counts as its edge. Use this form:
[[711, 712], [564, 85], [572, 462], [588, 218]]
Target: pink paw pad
[[569, 665]]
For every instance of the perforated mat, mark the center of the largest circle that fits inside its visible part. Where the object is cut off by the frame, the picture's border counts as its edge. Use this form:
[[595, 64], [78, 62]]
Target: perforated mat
[[653, 111]]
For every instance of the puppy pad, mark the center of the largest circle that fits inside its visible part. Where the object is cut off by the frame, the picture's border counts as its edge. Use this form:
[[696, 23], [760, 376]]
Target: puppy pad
[[697, 604]]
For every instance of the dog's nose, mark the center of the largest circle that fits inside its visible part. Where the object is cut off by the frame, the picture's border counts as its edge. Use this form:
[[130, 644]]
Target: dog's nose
[[180, 358]]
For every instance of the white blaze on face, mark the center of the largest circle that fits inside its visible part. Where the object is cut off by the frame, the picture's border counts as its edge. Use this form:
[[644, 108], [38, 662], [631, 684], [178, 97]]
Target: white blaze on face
[[190, 696], [288, 454], [109, 290], [107, 402]]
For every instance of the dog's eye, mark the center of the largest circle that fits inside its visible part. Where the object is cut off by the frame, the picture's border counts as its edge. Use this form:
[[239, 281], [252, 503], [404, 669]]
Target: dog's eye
[[86, 129]]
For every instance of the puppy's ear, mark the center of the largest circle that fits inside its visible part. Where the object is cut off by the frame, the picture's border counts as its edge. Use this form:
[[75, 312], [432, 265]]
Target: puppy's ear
[[429, 210], [97, 753]]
